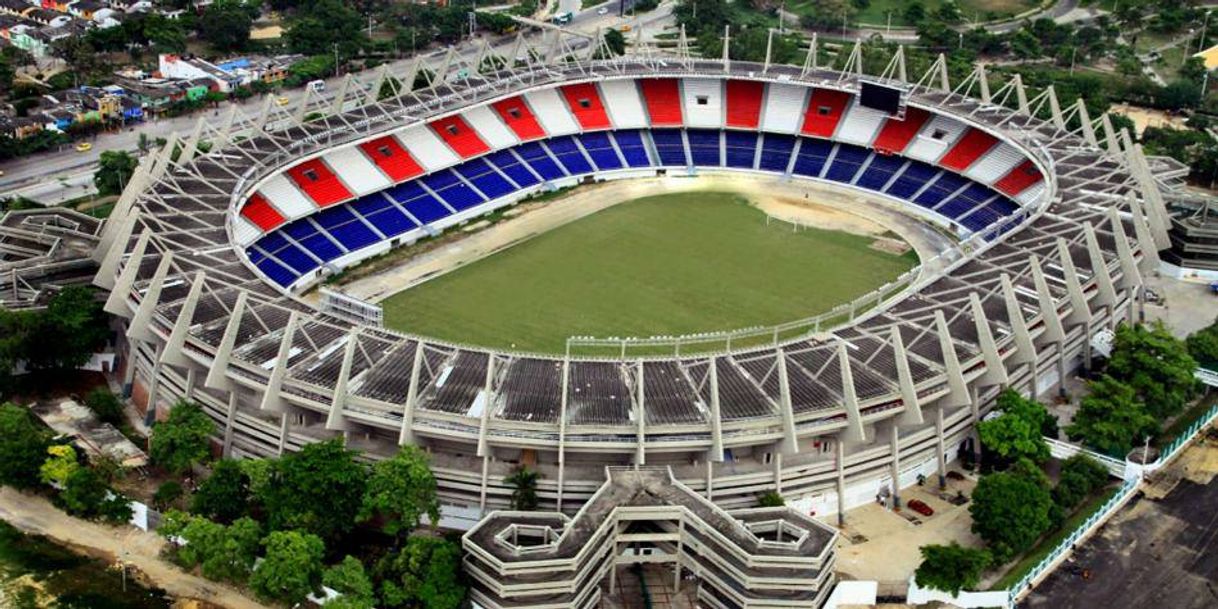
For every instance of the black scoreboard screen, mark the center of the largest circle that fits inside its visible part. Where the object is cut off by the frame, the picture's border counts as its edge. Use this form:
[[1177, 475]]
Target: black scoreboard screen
[[880, 97]]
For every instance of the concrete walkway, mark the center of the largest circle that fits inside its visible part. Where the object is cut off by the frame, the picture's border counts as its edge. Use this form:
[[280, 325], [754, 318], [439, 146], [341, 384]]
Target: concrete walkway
[[139, 550]]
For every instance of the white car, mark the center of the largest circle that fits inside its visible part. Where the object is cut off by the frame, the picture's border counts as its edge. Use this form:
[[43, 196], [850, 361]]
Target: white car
[[604, 10]]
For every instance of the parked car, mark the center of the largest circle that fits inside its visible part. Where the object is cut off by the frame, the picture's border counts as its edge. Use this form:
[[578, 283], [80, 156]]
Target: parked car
[[920, 507], [84, 147], [282, 101]]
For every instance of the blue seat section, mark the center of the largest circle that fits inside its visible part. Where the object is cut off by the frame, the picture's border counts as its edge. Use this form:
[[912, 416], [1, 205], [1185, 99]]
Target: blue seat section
[[485, 178], [391, 221], [1004, 206], [536, 157], [740, 148], [342, 224], [704, 147], [449, 187], [277, 272], [812, 155], [670, 146], [306, 234], [512, 168], [632, 147], [776, 152], [295, 258], [568, 153], [940, 189], [255, 255], [272, 242], [881, 169], [982, 217], [420, 203], [915, 176], [847, 163], [600, 148]]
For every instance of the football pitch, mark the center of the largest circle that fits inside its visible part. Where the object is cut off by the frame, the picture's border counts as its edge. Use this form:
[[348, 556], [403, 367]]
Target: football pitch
[[666, 265]]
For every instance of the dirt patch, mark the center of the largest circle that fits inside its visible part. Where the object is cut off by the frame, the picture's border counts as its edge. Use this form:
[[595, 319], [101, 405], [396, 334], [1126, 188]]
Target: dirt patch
[[805, 212], [1149, 117], [895, 247]]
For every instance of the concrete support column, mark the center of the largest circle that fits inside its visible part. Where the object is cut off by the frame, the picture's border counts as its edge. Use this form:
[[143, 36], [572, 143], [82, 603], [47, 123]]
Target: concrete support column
[[790, 442], [335, 419], [154, 383], [895, 448], [486, 467], [406, 433], [909, 395], [854, 420], [229, 418], [941, 450], [716, 451], [841, 481], [271, 399], [640, 454], [141, 323], [562, 430], [710, 482], [283, 433], [172, 354], [777, 462], [216, 378]]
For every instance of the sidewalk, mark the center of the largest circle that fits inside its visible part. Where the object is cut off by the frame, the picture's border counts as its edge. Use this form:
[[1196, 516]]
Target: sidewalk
[[139, 549]]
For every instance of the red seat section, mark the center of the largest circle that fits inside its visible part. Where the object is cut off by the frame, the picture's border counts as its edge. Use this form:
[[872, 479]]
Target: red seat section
[[392, 158], [585, 103], [824, 112], [460, 136], [744, 99], [971, 146], [896, 134], [1019, 179], [319, 183], [519, 118], [663, 101], [259, 211]]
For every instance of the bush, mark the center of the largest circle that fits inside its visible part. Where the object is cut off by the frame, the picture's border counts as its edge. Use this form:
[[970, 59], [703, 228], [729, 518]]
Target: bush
[[166, 494], [23, 447], [951, 568], [105, 405], [85, 494], [770, 499]]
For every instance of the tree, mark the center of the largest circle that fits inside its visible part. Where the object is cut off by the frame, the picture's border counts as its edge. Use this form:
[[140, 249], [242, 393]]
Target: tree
[[114, 170], [321, 25], [400, 492], [167, 494], [85, 494], [317, 490], [224, 495], [222, 552], [426, 572], [951, 568], [1156, 365], [615, 41], [23, 447], [524, 493], [291, 568], [1080, 475], [827, 14], [1009, 512], [1110, 418], [1203, 346], [349, 579], [182, 440], [59, 466], [105, 405], [226, 24], [67, 333], [770, 499]]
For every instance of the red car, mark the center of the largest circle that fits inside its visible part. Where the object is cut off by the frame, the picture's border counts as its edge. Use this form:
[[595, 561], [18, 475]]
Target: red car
[[920, 507]]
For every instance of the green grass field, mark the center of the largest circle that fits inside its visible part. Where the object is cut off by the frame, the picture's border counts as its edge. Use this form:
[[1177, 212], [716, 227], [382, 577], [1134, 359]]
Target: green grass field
[[668, 265]]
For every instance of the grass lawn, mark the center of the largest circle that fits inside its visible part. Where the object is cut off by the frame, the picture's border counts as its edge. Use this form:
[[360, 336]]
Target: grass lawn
[[666, 265], [1186, 419], [1041, 550]]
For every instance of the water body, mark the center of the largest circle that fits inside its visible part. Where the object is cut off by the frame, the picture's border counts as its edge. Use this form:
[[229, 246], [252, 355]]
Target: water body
[[35, 573]]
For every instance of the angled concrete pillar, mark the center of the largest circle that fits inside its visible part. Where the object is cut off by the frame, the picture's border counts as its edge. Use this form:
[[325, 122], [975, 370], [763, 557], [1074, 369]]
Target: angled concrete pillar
[[905, 381], [1110, 139], [284, 425], [1025, 350], [1054, 332], [957, 389], [790, 444], [995, 369], [894, 447], [562, 428], [941, 448], [1080, 311], [1084, 119], [854, 421], [1131, 277], [191, 145], [1105, 288], [230, 416], [640, 409], [172, 353], [116, 302], [406, 434], [716, 451], [216, 375], [272, 401], [488, 393], [119, 225], [336, 420], [141, 324], [1146, 241], [112, 253], [840, 462]]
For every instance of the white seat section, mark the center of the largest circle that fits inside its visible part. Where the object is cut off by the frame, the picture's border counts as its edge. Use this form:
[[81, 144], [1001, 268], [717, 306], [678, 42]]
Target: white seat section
[[244, 232], [935, 138], [1031, 194], [285, 197], [427, 148], [994, 164], [356, 171], [860, 124], [623, 104], [493, 131], [551, 111], [702, 99], [784, 108]]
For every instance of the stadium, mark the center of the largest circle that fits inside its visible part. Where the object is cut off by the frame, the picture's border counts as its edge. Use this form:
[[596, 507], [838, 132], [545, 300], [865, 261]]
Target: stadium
[[211, 259]]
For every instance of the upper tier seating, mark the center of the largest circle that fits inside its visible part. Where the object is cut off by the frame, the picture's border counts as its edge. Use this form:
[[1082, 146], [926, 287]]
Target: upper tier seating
[[348, 229], [704, 148], [971, 146], [824, 112], [670, 145], [584, 101], [286, 197], [623, 103], [551, 110], [703, 102], [1019, 178], [486, 123], [663, 101], [740, 148], [261, 213], [896, 134], [946, 184], [784, 108], [356, 171], [380, 211], [314, 239], [860, 124], [420, 204], [388, 154], [744, 98], [459, 136], [427, 148], [1032, 193], [519, 118], [934, 139], [319, 182]]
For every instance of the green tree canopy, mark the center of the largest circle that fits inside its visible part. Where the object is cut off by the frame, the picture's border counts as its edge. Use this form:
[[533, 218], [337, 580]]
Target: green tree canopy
[[23, 447], [60, 464], [105, 405], [1156, 365], [1203, 346], [318, 490], [114, 170], [1012, 437], [1110, 418], [225, 24], [1009, 512], [86, 494], [349, 579], [224, 495], [182, 440], [321, 25], [291, 568], [66, 334], [1080, 475], [224, 553], [426, 572], [951, 568], [524, 491], [400, 492]]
